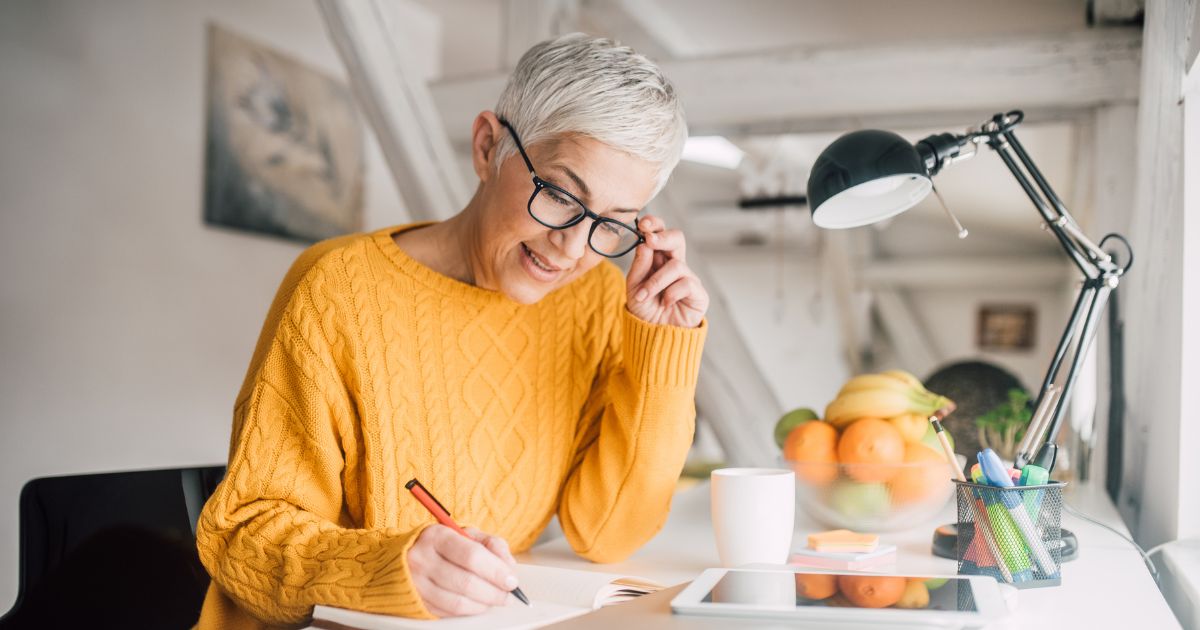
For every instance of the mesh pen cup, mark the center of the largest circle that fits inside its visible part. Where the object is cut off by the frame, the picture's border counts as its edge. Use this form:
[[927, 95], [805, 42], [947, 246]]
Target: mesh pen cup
[[1012, 534]]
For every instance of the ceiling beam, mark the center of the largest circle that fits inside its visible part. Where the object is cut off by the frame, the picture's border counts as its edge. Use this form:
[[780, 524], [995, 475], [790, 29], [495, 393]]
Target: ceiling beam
[[968, 272], [660, 26], [842, 87], [1115, 12], [612, 20], [917, 351], [527, 22], [838, 261], [391, 90]]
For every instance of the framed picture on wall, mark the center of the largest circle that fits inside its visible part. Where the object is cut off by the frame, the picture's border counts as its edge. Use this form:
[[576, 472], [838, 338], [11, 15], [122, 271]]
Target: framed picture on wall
[[1006, 327], [284, 145]]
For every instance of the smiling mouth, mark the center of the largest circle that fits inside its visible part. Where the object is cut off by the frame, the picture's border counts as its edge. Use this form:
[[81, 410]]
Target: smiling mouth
[[538, 261]]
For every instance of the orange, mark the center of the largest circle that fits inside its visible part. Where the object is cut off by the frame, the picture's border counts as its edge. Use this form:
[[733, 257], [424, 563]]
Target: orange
[[812, 449], [874, 443], [872, 591], [914, 483], [816, 585]]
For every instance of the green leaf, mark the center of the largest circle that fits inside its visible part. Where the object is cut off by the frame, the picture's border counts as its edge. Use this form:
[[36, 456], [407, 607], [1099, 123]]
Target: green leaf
[[1010, 418]]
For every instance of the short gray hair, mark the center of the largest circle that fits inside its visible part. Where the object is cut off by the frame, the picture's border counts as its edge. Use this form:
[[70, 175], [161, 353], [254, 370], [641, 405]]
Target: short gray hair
[[593, 86]]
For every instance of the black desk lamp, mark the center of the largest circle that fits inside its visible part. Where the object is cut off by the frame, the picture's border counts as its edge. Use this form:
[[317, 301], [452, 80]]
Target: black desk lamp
[[871, 175]]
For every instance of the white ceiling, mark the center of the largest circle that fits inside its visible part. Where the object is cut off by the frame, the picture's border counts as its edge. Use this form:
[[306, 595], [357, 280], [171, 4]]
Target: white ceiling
[[720, 27], [980, 191], [473, 39]]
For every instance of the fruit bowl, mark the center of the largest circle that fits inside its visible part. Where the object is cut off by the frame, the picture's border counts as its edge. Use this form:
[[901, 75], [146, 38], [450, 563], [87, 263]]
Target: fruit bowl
[[872, 497]]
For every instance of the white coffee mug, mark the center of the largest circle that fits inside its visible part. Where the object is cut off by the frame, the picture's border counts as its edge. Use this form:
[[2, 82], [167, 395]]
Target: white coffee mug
[[753, 514]]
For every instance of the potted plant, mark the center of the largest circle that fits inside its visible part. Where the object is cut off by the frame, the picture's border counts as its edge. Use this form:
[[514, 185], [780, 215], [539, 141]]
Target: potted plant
[[1002, 428]]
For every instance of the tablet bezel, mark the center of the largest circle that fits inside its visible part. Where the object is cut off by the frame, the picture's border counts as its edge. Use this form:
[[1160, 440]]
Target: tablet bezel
[[988, 600]]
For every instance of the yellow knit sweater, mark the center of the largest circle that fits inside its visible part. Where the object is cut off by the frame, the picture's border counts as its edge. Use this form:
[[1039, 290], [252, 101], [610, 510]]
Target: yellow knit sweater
[[372, 369]]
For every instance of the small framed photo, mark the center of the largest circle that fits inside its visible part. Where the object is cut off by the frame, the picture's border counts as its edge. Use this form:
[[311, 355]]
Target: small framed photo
[[1006, 327]]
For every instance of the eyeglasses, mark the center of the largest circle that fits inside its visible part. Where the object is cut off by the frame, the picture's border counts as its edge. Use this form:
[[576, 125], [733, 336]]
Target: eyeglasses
[[558, 209]]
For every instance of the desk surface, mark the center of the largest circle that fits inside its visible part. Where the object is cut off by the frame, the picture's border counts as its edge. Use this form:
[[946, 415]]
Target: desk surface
[[1108, 586]]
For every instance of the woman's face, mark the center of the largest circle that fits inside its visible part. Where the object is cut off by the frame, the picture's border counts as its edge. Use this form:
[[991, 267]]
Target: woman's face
[[524, 259]]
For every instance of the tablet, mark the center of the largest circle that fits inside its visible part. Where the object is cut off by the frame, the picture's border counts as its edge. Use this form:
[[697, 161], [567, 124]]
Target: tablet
[[844, 597]]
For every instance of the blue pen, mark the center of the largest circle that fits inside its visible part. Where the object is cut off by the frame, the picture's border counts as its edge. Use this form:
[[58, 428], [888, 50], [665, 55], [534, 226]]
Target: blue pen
[[997, 475]]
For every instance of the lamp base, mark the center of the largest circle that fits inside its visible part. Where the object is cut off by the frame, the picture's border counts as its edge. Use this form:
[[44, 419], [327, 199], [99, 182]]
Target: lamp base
[[945, 543]]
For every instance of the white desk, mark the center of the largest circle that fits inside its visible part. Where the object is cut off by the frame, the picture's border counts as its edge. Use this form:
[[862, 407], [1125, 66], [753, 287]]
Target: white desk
[[1108, 586]]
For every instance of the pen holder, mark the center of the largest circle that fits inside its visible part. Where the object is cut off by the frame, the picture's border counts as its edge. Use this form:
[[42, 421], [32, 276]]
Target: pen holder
[[1012, 534]]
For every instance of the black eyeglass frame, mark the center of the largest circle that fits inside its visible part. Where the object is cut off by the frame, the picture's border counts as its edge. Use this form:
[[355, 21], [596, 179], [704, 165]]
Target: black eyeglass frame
[[540, 184]]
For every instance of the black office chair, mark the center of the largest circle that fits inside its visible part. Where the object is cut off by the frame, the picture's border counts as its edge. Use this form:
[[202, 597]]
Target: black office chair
[[112, 550]]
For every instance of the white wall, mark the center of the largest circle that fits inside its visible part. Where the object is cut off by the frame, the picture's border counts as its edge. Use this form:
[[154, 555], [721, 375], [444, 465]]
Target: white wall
[[793, 335], [125, 323], [1153, 490], [1189, 432], [951, 316]]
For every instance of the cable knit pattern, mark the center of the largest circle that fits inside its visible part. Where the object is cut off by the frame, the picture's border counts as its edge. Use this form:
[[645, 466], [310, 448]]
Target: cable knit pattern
[[372, 369]]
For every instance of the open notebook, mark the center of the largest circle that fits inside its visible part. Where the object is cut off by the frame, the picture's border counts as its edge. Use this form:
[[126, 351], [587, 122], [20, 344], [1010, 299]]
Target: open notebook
[[556, 594]]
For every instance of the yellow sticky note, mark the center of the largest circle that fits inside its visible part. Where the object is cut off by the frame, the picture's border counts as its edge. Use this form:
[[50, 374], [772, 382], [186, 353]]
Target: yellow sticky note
[[843, 540]]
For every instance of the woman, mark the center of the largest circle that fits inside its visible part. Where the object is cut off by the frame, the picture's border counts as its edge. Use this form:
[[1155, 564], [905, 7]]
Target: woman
[[494, 356]]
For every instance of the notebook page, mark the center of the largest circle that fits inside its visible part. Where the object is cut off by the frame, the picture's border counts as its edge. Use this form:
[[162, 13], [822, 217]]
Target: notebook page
[[557, 594], [623, 589], [584, 589], [515, 616]]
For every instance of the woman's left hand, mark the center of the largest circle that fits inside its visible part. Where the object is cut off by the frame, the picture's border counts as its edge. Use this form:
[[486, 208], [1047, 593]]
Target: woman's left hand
[[660, 287]]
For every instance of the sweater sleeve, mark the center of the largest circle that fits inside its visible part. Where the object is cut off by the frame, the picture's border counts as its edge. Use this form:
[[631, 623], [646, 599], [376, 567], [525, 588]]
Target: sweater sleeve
[[636, 428], [272, 536]]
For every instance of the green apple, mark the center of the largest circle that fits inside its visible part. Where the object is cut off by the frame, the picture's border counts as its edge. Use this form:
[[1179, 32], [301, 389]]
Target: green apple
[[934, 584], [859, 500], [791, 420], [930, 439]]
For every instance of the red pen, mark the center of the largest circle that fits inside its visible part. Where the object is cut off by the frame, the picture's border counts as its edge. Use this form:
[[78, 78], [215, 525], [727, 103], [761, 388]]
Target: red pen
[[442, 515]]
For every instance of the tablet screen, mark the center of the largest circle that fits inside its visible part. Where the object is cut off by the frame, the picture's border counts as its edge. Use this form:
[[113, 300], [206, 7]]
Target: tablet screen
[[858, 590]]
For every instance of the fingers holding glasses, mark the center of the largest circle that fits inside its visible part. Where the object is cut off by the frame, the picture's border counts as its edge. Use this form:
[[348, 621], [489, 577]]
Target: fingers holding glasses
[[661, 288], [669, 242], [660, 244]]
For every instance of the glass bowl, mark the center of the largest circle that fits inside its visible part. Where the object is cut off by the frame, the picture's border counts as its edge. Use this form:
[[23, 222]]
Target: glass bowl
[[872, 497]]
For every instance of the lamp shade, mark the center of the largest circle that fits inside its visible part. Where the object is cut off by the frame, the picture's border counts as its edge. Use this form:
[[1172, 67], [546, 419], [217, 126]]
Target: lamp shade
[[864, 177]]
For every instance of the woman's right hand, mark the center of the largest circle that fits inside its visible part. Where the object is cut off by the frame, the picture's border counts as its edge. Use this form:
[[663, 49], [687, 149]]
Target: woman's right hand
[[456, 576]]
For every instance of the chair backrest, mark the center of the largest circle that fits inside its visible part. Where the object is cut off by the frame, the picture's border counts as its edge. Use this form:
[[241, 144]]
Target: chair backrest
[[83, 535]]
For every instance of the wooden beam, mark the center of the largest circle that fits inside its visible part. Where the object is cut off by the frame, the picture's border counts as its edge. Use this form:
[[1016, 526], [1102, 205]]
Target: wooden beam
[[843, 87], [609, 19], [914, 348], [1193, 50], [394, 96], [1189, 432], [838, 261], [1022, 272], [1162, 405], [1115, 12], [527, 22], [1105, 148], [661, 27]]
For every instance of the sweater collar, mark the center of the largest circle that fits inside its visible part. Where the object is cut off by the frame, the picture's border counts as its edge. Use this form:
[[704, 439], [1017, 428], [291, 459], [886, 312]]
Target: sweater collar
[[441, 283]]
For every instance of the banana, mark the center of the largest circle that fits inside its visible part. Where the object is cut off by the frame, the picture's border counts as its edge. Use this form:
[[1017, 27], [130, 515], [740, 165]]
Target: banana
[[866, 403], [880, 403], [875, 382], [906, 377]]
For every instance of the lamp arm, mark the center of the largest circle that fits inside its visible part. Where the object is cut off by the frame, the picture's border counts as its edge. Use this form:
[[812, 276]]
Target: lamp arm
[[1001, 145], [1100, 271], [1098, 299], [1092, 298], [1064, 219]]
